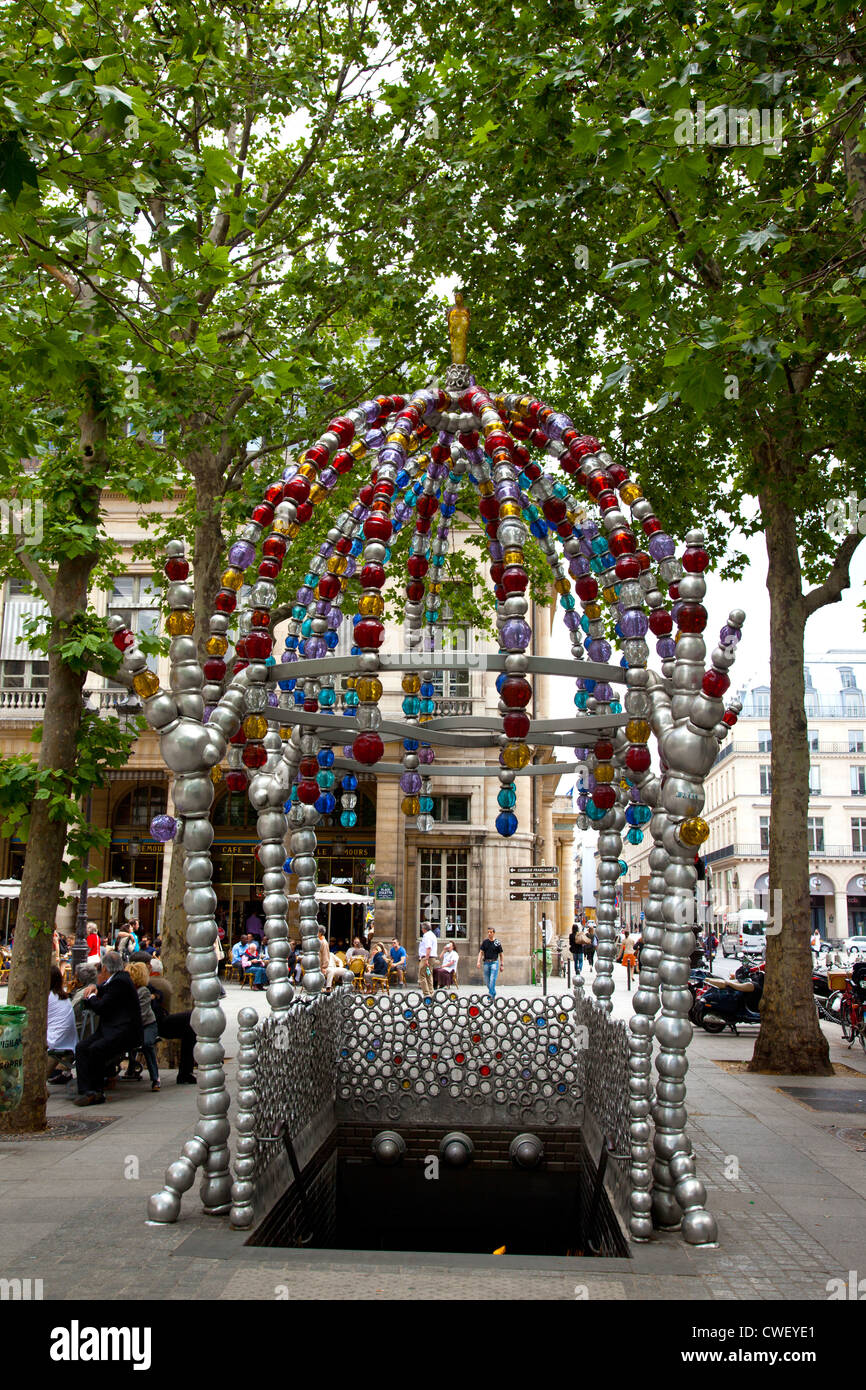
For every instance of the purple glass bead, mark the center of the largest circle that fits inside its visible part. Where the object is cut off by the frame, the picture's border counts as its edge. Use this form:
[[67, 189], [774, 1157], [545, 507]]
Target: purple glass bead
[[582, 799], [603, 692], [508, 492], [410, 783], [273, 700], [598, 650], [445, 439], [360, 513], [590, 781], [351, 566], [676, 610], [581, 754], [208, 711], [666, 647], [393, 454], [304, 595], [729, 636], [374, 439], [371, 411], [495, 550], [634, 793], [290, 654], [315, 647], [163, 828], [556, 426], [289, 472], [402, 513], [335, 617], [589, 530], [572, 620], [323, 607], [442, 532], [515, 635], [438, 470], [328, 477], [633, 623], [577, 566], [660, 546], [242, 554], [347, 750], [426, 756]]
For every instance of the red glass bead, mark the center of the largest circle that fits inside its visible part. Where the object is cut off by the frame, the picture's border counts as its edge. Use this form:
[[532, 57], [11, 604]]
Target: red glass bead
[[637, 759], [269, 569], [516, 725], [261, 618], [343, 546], [309, 768], [254, 755], [329, 586], [627, 567], [597, 484], [538, 438], [651, 525], [604, 796], [263, 514], [730, 718], [485, 1070], [368, 747], [377, 528], [214, 669], [417, 566], [514, 580], [369, 633], [317, 454], [428, 505], [274, 545], [603, 750], [274, 494], [498, 439], [622, 543], [423, 524], [177, 569], [488, 507], [533, 471], [554, 509], [440, 453], [365, 496], [618, 473], [519, 429], [304, 511], [516, 692], [241, 647], [240, 666], [692, 617], [607, 499], [298, 490], [715, 683], [520, 454], [343, 429], [342, 462], [236, 781], [469, 439], [238, 737], [259, 646], [415, 590], [674, 591], [308, 792], [496, 572], [123, 639], [643, 559], [226, 601], [660, 622], [384, 487], [587, 587], [695, 560], [311, 705]]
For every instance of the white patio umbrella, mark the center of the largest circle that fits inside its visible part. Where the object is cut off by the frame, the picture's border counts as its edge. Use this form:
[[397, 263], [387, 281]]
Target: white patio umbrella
[[9, 888], [332, 893], [116, 889]]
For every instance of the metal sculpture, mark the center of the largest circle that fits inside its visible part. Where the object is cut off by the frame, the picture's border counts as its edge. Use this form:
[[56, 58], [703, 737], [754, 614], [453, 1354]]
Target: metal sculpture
[[287, 737]]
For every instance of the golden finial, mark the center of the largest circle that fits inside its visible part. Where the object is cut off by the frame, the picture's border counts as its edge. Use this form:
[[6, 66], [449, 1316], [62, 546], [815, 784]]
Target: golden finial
[[458, 330]]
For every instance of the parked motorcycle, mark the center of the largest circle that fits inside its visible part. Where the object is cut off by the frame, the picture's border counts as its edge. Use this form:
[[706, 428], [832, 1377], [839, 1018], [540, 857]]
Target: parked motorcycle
[[716, 1008]]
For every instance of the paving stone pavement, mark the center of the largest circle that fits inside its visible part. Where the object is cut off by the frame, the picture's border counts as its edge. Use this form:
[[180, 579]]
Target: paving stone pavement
[[788, 1192]]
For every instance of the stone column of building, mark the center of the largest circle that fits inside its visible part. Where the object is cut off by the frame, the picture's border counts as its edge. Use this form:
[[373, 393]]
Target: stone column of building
[[566, 885], [840, 927], [395, 917]]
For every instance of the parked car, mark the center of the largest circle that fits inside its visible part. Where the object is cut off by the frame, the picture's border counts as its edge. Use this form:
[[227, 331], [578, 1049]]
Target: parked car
[[856, 943], [748, 933]]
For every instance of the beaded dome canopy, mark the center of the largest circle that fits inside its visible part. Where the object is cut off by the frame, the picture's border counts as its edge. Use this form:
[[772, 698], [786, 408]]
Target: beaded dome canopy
[[296, 744]]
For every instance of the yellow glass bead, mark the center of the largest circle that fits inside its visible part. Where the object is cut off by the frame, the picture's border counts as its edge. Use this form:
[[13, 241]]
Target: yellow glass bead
[[423, 460], [285, 731], [523, 404], [350, 682], [317, 492], [371, 605], [410, 805], [624, 784], [369, 690], [513, 557], [411, 684], [255, 726], [637, 730], [302, 458], [307, 470], [434, 589], [232, 579], [609, 594], [337, 564], [145, 684], [515, 756], [413, 446], [216, 774], [592, 611], [179, 624], [291, 529], [216, 646], [485, 488], [694, 831], [282, 527], [604, 772], [357, 448], [424, 718], [396, 438], [630, 493], [491, 428], [562, 586], [509, 509]]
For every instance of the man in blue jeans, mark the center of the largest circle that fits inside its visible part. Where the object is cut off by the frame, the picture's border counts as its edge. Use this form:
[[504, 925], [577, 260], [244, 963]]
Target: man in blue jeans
[[490, 960]]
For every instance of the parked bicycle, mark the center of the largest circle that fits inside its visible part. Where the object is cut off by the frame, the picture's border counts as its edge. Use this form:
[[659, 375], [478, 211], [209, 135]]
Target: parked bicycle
[[853, 1010]]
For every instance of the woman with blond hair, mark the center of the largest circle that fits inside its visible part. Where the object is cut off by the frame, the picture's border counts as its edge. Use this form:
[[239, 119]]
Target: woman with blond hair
[[140, 974]]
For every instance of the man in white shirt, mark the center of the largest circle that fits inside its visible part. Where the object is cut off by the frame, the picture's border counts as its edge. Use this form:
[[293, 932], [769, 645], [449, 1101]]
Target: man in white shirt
[[427, 959]]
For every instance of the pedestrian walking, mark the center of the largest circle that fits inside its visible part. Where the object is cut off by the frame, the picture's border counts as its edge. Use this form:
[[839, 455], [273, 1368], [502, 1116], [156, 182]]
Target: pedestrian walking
[[589, 948], [427, 958], [490, 960], [578, 941]]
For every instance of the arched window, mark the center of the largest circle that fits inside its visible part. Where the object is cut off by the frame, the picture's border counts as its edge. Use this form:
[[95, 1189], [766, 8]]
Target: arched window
[[140, 806], [234, 809]]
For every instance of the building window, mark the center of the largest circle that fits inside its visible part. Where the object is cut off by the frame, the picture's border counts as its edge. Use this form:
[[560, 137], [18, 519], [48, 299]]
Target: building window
[[846, 675], [451, 639], [815, 833], [135, 600], [764, 833], [24, 675], [444, 891], [140, 806], [765, 742], [855, 741], [813, 737], [858, 781], [451, 809], [814, 780], [766, 781], [761, 702], [858, 834], [234, 809]]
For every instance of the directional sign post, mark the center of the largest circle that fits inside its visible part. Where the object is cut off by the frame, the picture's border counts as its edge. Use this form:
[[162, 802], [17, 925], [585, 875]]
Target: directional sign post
[[527, 895]]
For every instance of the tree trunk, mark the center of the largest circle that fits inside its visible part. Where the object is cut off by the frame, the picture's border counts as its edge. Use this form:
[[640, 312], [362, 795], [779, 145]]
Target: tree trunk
[[46, 842], [207, 564], [790, 1040]]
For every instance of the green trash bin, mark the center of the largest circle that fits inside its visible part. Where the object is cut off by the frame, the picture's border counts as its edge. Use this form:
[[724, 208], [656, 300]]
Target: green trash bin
[[13, 1021]]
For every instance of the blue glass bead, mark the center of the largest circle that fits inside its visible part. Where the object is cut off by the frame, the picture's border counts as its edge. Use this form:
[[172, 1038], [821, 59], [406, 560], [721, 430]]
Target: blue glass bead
[[589, 684], [567, 602], [270, 661], [349, 783], [411, 745], [286, 685], [325, 803], [507, 798], [350, 711], [350, 698], [580, 700], [427, 690], [634, 836], [298, 697], [287, 866], [560, 491], [506, 823], [500, 681], [428, 706], [425, 805], [326, 757], [307, 628], [402, 478], [331, 639], [599, 545], [539, 529], [584, 622], [594, 812], [357, 547], [615, 707]]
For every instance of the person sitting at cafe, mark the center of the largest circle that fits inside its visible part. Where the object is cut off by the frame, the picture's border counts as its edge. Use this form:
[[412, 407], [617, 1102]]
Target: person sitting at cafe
[[114, 1000], [398, 960], [62, 1036], [446, 974], [378, 964], [357, 951]]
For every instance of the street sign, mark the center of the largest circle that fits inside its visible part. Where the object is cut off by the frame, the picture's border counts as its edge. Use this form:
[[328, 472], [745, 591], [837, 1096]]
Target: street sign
[[528, 896], [545, 870], [533, 883]]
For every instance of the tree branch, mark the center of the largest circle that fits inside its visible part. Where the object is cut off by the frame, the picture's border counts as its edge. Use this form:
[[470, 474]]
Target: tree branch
[[837, 580]]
